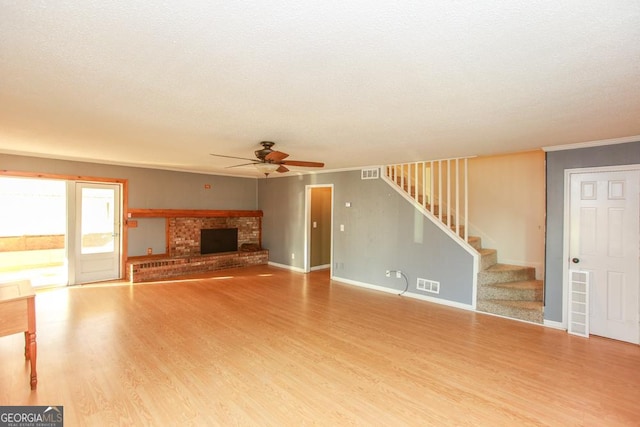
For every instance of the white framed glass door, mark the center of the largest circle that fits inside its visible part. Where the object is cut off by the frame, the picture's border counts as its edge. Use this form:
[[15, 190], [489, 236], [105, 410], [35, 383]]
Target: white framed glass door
[[97, 232]]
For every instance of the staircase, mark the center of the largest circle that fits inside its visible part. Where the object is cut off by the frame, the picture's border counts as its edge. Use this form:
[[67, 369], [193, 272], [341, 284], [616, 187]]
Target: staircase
[[505, 290]]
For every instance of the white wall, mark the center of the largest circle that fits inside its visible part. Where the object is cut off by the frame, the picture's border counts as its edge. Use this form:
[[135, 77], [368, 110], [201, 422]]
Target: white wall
[[507, 206]]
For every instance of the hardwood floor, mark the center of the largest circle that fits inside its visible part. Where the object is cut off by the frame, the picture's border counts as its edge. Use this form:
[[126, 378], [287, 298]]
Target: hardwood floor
[[266, 346]]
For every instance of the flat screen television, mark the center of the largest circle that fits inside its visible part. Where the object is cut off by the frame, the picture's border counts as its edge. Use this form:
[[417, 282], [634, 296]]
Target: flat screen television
[[215, 240]]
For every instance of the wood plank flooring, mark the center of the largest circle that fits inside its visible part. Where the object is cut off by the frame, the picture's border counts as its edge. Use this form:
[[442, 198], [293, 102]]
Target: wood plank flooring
[[266, 346]]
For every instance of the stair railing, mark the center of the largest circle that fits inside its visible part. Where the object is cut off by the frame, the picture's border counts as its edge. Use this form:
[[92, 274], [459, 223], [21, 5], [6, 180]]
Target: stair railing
[[440, 187]]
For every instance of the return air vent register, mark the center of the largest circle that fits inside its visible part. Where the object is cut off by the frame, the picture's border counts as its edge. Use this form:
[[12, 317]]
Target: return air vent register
[[370, 173], [428, 286]]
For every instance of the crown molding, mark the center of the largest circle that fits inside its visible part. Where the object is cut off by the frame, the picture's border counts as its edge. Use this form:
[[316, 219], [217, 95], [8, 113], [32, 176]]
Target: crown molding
[[597, 143]]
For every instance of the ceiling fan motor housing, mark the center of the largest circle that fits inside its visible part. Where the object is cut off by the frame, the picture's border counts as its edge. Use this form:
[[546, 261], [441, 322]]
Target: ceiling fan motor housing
[[264, 152]]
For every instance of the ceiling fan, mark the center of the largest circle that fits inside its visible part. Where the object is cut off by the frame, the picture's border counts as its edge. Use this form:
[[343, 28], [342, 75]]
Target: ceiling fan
[[269, 160]]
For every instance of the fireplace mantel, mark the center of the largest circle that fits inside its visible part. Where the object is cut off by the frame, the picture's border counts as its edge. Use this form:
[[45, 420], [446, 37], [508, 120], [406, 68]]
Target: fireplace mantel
[[193, 213]]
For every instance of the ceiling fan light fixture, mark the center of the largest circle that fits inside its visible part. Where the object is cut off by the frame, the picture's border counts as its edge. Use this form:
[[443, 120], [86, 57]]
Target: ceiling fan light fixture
[[270, 160], [266, 168]]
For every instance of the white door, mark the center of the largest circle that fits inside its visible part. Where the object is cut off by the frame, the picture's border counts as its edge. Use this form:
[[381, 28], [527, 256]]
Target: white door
[[605, 240], [97, 240]]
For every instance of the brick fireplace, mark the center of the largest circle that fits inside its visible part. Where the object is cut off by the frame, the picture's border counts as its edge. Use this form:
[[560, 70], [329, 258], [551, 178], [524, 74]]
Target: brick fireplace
[[184, 233], [183, 244]]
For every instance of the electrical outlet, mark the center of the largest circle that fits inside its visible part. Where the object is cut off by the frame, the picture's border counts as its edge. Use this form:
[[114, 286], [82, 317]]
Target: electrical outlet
[[388, 273], [398, 274], [149, 251], [293, 256]]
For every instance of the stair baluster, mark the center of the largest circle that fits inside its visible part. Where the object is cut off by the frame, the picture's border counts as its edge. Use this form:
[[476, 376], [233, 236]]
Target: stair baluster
[[450, 202]]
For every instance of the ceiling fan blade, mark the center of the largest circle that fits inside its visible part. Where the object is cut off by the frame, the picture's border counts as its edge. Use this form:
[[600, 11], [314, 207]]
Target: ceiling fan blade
[[232, 157], [276, 156], [244, 164], [272, 159], [303, 163]]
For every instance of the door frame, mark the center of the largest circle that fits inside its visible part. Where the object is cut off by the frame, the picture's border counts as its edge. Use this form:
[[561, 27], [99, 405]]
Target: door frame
[[567, 224], [307, 226], [124, 206]]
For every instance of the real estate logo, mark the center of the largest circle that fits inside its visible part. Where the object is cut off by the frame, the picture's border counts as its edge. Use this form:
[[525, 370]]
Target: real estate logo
[[31, 416]]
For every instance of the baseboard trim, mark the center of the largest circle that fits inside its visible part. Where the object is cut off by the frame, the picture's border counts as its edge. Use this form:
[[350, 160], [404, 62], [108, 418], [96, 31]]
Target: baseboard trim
[[320, 267], [440, 301], [515, 319], [555, 325], [286, 267], [546, 323]]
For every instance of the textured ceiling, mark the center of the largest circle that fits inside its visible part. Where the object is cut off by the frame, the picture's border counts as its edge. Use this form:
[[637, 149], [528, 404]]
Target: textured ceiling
[[163, 84]]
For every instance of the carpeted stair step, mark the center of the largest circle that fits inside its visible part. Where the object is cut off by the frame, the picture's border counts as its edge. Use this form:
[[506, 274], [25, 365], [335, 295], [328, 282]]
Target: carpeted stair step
[[436, 213], [412, 192], [488, 257], [460, 230], [475, 242], [502, 273], [435, 209], [530, 311], [529, 290]]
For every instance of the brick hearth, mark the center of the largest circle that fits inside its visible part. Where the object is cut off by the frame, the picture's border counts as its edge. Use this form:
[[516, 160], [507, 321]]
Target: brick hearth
[[165, 268]]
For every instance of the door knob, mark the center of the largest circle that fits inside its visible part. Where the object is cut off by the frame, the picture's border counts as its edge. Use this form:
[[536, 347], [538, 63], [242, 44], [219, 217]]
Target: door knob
[[575, 260]]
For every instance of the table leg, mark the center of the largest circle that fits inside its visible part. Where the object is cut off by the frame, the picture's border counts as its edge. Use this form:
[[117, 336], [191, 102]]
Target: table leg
[[27, 343], [33, 354]]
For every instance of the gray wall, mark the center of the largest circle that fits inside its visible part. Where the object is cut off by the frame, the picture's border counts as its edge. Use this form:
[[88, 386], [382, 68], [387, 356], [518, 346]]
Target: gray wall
[[151, 189], [557, 163], [150, 233], [382, 232]]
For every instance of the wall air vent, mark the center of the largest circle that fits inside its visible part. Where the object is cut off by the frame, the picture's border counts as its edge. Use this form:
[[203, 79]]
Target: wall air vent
[[370, 173], [428, 286]]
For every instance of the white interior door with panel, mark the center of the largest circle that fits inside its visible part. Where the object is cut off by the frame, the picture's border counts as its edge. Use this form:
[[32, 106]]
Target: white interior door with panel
[[97, 234], [605, 242]]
